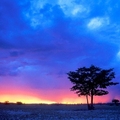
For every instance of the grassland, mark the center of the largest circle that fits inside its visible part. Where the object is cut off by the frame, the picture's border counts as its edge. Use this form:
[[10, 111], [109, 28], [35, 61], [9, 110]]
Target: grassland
[[58, 112]]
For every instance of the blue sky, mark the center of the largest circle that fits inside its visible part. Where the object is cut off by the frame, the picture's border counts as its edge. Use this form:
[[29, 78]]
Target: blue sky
[[42, 40]]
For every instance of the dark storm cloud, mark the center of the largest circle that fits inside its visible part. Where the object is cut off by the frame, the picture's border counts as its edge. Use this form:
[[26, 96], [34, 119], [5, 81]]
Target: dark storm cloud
[[11, 23]]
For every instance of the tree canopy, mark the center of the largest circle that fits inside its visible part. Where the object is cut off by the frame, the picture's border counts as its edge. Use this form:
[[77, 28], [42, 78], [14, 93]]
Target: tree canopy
[[91, 81]]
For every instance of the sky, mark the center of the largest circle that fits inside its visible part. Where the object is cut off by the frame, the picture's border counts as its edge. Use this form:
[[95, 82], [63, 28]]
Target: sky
[[42, 40]]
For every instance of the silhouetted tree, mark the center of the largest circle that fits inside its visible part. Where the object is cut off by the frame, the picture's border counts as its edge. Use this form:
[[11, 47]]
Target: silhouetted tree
[[91, 82], [115, 101], [6, 103], [19, 103]]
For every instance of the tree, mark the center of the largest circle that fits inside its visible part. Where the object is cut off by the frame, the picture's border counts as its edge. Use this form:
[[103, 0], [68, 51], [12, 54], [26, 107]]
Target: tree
[[91, 82], [115, 101], [19, 103], [6, 103]]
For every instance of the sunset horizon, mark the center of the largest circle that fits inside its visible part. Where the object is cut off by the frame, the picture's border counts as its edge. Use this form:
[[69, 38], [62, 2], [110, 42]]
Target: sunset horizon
[[70, 98], [42, 40]]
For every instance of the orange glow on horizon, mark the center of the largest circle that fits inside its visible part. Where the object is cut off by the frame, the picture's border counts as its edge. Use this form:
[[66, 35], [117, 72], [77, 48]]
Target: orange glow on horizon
[[23, 99], [27, 95], [32, 99]]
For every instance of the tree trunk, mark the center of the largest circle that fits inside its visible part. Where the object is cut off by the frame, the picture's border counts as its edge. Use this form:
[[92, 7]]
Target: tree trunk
[[92, 107], [87, 102]]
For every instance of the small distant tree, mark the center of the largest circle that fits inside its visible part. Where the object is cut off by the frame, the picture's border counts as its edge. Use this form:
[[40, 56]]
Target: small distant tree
[[6, 103], [115, 101], [19, 103], [91, 82]]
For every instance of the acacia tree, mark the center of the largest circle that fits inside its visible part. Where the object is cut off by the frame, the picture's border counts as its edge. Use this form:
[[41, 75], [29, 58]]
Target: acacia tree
[[91, 82], [115, 101]]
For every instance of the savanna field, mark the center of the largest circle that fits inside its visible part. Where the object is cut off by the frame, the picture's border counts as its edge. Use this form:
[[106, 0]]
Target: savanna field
[[58, 112]]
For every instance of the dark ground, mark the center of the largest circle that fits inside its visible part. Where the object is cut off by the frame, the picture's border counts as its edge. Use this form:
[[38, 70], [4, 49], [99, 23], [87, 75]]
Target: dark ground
[[58, 112]]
